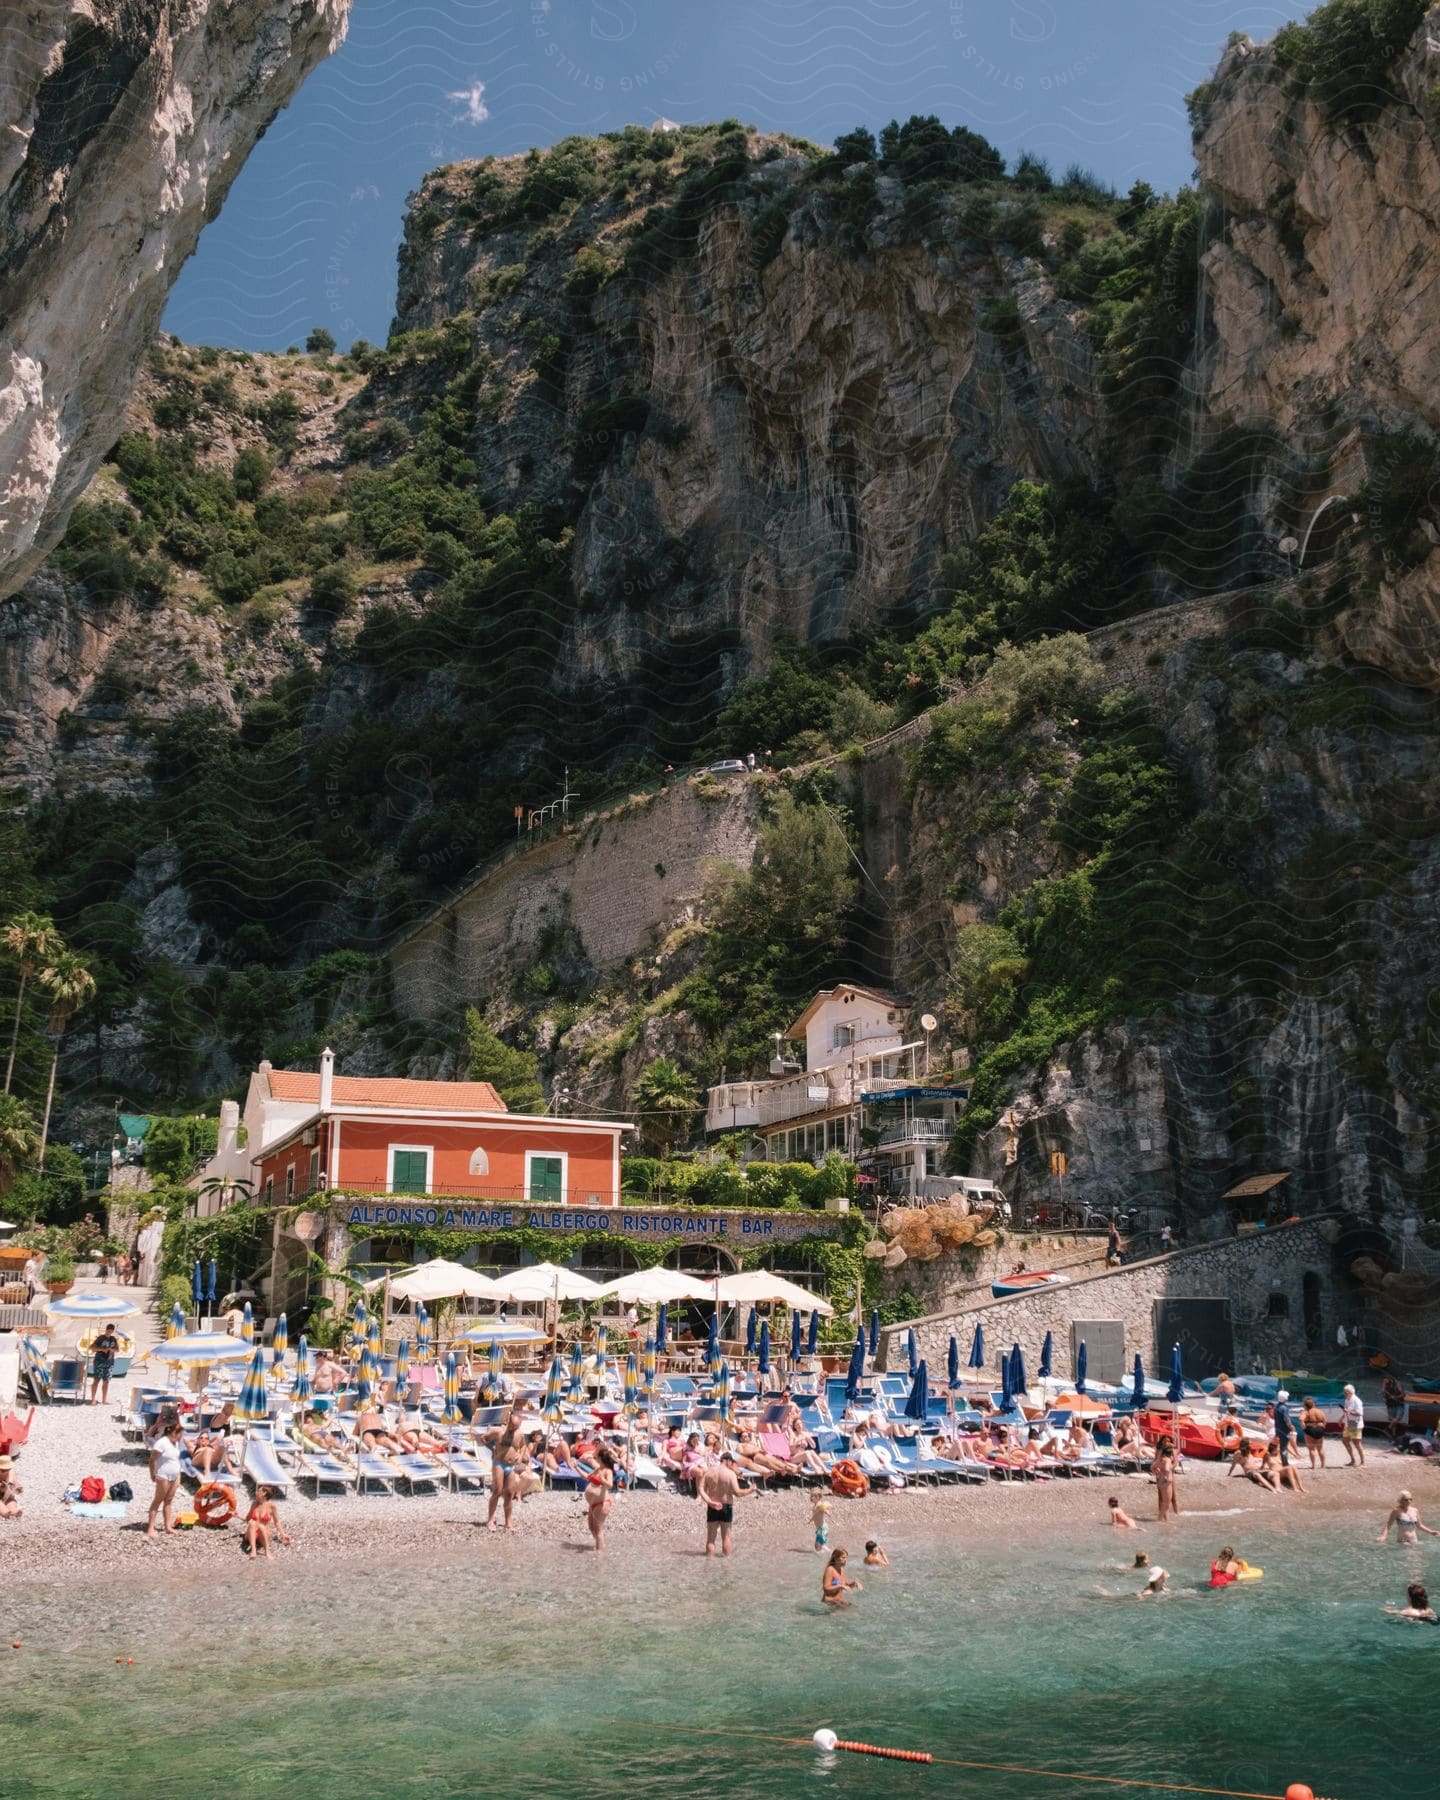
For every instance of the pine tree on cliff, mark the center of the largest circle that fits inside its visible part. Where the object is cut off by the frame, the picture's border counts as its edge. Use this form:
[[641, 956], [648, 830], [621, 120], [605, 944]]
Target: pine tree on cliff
[[512, 1073]]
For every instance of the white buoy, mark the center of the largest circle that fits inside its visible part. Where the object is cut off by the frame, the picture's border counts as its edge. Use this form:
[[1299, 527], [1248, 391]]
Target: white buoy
[[825, 1740]]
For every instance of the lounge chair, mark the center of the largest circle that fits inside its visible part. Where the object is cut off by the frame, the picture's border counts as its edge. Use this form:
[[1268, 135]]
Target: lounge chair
[[259, 1461], [325, 1469], [67, 1379], [420, 1471], [466, 1468], [372, 1469]]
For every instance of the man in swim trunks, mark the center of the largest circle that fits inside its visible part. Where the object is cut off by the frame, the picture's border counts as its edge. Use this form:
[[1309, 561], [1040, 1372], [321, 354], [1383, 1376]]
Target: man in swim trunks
[[103, 1352], [720, 1487]]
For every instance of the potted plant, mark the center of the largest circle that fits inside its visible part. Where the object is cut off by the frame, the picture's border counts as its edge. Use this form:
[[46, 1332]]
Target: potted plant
[[59, 1274]]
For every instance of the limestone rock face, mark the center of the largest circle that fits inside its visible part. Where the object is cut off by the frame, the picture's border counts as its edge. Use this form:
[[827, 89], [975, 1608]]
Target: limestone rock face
[[125, 123]]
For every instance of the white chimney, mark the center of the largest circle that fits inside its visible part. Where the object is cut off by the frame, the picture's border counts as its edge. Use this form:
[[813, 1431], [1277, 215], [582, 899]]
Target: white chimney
[[226, 1138], [327, 1078]]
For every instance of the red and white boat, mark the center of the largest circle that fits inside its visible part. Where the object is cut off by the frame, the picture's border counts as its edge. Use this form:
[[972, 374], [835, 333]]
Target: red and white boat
[[1026, 1282]]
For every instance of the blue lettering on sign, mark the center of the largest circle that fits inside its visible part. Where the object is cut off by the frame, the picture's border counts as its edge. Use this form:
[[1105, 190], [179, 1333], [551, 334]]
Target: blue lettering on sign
[[635, 1224], [756, 1227]]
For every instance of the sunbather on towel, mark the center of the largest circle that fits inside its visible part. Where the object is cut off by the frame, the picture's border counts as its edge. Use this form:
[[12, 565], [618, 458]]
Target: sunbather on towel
[[751, 1458], [417, 1440], [317, 1433], [210, 1452], [371, 1433]]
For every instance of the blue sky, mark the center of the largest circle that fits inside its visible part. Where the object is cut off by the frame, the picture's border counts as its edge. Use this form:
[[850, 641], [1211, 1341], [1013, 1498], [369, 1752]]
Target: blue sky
[[309, 233]]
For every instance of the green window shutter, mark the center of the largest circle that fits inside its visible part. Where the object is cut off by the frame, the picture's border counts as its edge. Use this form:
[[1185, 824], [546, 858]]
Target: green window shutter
[[411, 1168], [547, 1181]]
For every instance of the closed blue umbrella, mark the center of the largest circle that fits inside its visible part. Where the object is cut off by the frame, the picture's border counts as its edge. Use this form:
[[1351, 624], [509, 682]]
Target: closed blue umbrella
[[1047, 1351], [602, 1338], [913, 1351], [813, 1336], [855, 1374], [402, 1368], [177, 1321], [1175, 1393], [794, 1337], [494, 1369], [874, 1329], [553, 1410], [977, 1349], [1017, 1370], [1137, 1383], [357, 1324], [300, 1387], [722, 1391], [764, 1362], [199, 1286], [211, 1284], [367, 1381], [247, 1324], [1007, 1398], [712, 1349], [662, 1326], [632, 1384], [422, 1333], [451, 1414], [750, 1333], [254, 1402], [647, 1365], [952, 1361], [279, 1344], [576, 1389], [1081, 1359], [917, 1406]]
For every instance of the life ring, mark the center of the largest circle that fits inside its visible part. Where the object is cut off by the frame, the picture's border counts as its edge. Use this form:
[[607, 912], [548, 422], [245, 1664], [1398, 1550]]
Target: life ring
[[1230, 1435], [215, 1505], [847, 1480]]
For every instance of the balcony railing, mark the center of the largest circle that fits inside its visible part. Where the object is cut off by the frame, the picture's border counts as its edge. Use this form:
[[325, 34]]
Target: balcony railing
[[917, 1131]]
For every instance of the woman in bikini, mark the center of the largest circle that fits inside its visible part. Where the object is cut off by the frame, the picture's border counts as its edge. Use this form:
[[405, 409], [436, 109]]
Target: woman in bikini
[[599, 1494], [263, 1518], [1312, 1426], [1405, 1517], [835, 1586], [1163, 1469]]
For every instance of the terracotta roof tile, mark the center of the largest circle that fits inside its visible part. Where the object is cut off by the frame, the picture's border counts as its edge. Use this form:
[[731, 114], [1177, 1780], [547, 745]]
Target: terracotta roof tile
[[383, 1090]]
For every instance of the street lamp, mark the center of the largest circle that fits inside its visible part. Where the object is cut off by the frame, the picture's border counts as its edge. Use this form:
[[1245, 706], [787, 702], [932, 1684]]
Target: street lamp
[[927, 1025]]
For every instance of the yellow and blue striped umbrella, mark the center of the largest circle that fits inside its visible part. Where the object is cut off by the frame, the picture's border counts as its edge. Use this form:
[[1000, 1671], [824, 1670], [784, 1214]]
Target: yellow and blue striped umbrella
[[247, 1325], [632, 1385], [357, 1325], [402, 1368], [451, 1414], [202, 1347], [722, 1391], [602, 1337], [552, 1408], [422, 1333], [300, 1387], [372, 1337], [279, 1344], [494, 1369], [176, 1323], [368, 1386], [648, 1365], [575, 1391], [254, 1402]]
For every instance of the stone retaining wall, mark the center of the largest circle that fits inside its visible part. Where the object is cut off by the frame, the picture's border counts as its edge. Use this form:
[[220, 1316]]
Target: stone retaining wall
[[1246, 1271]]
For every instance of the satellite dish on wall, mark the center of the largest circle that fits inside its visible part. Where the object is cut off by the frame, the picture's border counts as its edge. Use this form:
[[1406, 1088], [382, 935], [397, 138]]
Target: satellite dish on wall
[[308, 1226], [927, 1022]]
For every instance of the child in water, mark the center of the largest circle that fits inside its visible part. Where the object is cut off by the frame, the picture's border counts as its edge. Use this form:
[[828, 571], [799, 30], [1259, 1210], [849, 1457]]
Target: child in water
[[1156, 1584], [875, 1556], [835, 1586], [1417, 1606], [1119, 1517], [820, 1519]]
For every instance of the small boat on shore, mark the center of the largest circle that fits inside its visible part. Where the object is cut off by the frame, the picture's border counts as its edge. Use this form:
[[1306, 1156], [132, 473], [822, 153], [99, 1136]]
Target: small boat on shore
[[1201, 1438], [1026, 1283]]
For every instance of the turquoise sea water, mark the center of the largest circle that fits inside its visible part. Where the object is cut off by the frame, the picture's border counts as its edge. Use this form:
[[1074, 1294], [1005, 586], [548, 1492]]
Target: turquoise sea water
[[530, 1668]]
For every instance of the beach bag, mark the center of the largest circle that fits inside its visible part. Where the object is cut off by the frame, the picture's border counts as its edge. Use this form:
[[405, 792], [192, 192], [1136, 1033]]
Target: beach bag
[[92, 1490], [121, 1490]]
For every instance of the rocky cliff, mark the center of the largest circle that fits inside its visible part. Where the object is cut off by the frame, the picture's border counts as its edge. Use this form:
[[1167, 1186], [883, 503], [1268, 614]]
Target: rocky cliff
[[126, 124]]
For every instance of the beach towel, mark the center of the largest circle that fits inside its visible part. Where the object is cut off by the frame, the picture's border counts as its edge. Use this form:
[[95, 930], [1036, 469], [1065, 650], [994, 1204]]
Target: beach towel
[[98, 1509]]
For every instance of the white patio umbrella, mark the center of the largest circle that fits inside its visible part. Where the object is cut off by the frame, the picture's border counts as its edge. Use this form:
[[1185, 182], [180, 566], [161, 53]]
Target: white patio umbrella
[[439, 1280], [759, 1284], [649, 1287], [544, 1281]]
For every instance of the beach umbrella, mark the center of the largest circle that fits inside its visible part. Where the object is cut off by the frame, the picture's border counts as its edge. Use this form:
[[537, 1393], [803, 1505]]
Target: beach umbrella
[[451, 1414], [1082, 1357], [300, 1387], [422, 1333], [632, 1384], [855, 1374], [874, 1329], [602, 1339], [648, 1365], [177, 1321], [1017, 1370], [722, 1391], [918, 1403], [402, 1368], [494, 1369], [198, 1284], [1175, 1393], [503, 1331], [279, 1344], [372, 1336], [197, 1347], [750, 1333], [247, 1324], [795, 1336], [812, 1337], [662, 1322], [912, 1350], [977, 1349], [952, 1361], [368, 1382], [712, 1348], [1137, 1385], [357, 1323], [1007, 1397], [553, 1409], [576, 1388], [1047, 1350], [254, 1402], [212, 1283], [90, 1306], [763, 1365]]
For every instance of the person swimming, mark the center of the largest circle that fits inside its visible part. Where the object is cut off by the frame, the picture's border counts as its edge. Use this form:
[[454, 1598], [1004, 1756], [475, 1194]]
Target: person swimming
[[1417, 1606], [1225, 1570], [835, 1586], [875, 1555], [1156, 1584]]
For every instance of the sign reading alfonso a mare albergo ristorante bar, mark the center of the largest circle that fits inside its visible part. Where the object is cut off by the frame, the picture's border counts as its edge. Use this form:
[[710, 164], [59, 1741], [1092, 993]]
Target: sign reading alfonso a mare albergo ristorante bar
[[363, 1216]]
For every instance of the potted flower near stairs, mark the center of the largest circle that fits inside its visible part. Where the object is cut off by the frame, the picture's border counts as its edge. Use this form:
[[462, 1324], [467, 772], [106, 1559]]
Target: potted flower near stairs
[[59, 1275]]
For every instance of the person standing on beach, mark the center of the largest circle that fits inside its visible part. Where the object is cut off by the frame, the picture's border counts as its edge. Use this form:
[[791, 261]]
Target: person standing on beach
[[720, 1487], [102, 1364], [506, 1456], [1284, 1427], [599, 1494], [1393, 1394], [1162, 1468], [1352, 1429], [165, 1473], [1312, 1423]]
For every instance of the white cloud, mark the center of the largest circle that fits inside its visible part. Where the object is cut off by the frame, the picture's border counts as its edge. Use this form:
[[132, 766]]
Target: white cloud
[[473, 99], [367, 190]]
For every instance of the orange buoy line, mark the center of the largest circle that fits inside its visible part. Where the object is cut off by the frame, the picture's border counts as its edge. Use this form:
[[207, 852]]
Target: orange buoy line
[[1296, 1790]]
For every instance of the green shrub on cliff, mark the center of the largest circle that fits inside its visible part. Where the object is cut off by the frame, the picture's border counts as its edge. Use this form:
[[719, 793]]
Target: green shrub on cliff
[[1346, 49]]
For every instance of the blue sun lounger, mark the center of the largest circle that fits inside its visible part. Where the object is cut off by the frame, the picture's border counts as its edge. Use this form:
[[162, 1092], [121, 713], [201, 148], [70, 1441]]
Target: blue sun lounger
[[419, 1471], [373, 1469], [466, 1468], [325, 1470], [259, 1461]]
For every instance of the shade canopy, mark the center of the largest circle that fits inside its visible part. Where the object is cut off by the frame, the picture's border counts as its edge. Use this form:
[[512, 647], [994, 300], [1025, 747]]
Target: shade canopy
[[197, 1347], [760, 1284], [544, 1281], [652, 1287], [91, 1306], [503, 1331], [440, 1280]]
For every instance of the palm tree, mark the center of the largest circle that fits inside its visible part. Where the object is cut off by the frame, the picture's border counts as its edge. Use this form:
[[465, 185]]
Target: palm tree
[[33, 940], [19, 1139], [666, 1100], [69, 984]]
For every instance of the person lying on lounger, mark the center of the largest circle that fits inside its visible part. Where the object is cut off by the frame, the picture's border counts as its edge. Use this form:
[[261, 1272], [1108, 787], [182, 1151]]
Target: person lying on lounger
[[372, 1433]]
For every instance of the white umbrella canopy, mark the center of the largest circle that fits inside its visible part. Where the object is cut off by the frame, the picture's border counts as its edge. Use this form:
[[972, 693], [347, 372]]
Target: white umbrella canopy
[[544, 1281], [759, 1284], [439, 1280], [648, 1287]]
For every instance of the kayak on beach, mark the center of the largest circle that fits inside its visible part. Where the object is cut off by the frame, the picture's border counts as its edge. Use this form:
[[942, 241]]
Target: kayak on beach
[[1026, 1283]]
